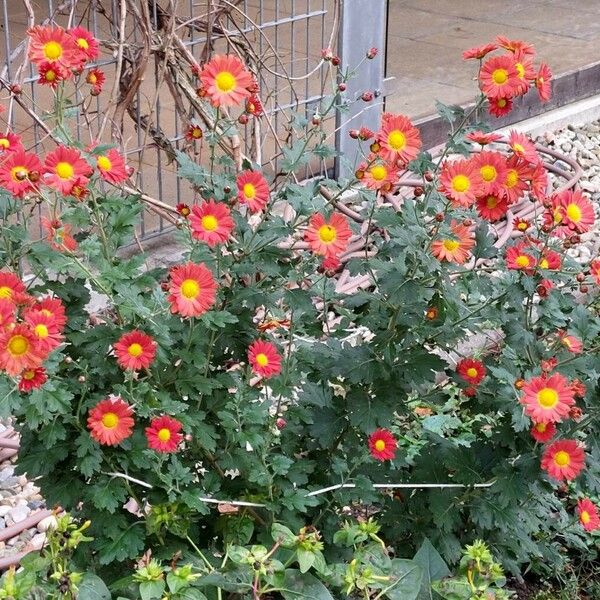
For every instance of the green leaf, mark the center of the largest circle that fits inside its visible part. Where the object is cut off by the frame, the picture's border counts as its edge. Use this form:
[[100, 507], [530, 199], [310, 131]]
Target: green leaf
[[152, 590], [406, 580], [306, 558], [280, 533], [303, 585], [93, 588], [433, 566], [128, 544]]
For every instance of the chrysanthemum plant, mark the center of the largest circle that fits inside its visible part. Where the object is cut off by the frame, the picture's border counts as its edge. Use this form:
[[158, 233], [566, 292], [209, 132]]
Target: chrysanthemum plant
[[318, 351]]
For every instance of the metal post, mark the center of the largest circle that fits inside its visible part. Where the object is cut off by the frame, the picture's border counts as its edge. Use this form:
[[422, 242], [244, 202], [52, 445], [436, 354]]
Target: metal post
[[362, 26]]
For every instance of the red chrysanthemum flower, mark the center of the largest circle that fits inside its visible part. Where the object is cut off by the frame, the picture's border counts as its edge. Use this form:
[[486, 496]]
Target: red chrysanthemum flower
[[482, 138], [54, 45], [10, 142], [192, 289], [11, 287], [253, 190], [524, 48], [550, 260], [18, 350], [254, 106], [588, 514], [595, 270], [225, 80], [471, 370], [521, 225], [515, 181], [460, 182], [571, 212], [111, 166], [183, 209], [538, 177], [563, 460], [211, 222], [59, 235], [62, 166], [500, 107], [15, 170], [523, 147], [163, 434], [457, 248], [543, 432], [491, 207], [478, 52], [87, 44], [382, 445], [570, 342], [399, 139], [96, 78], [32, 379], [492, 171], [547, 400], [50, 307], [135, 350], [519, 260], [194, 133], [542, 82], [7, 313], [328, 238], [498, 77], [52, 74], [379, 175], [46, 331], [264, 359], [111, 421], [525, 70]]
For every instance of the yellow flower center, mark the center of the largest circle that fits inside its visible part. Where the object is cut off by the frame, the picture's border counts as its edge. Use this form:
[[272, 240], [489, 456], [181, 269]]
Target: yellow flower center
[[522, 261], [249, 191], [28, 375], [567, 342], [18, 173], [50, 75], [4, 143], [104, 163], [499, 76], [135, 350], [574, 212], [488, 172], [110, 420], [18, 345], [380, 445], [5, 292], [518, 148], [585, 517], [225, 82], [327, 234], [41, 330], [511, 178], [83, 43], [472, 372], [558, 215], [540, 427], [520, 70], [65, 170], [164, 434], [547, 398], [262, 359], [544, 263], [190, 288], [451, 245], [491, 201], [46, 312], [501, 102], [562, 458], [396, 140], [378, 172], [460, 183], [52, 50], [197, 133], [209, 222], [92, 79]]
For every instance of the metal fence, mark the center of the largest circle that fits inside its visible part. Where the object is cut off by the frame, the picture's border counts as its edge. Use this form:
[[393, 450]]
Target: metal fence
[[287, 35]]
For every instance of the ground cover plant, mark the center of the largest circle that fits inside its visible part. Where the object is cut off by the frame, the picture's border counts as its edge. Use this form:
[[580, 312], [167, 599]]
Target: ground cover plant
[[237, 422]]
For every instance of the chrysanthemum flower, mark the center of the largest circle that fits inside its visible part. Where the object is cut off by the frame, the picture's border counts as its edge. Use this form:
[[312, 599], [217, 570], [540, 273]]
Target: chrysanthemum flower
[[521, 225], [163, 434], [46, 331], [538, 182], [11, 287], [50, 307], [7, 313], [135, 350], [253, 190], [483, 138], [570, 342], [523, 147], [478, 52], [87, 44], [264, 359], [10, 142], [59, 235], [382, 445], [588, 514], [515, 181], [491, 207], [194, 133], [399, 139], [192, 289], [62, 166], [51, 74], [471, 370], [543, 432], [492, 171], [595, 270], [111, 166], [254, 106], [515, 46], [15, 171], [519, 260], [32, 379], [183, 209], [225, 80], [460, 182], [211, 222], [498, 77], [500, 107], [111, 421], [563, 460], [550, 260], [547, 400], [96, 78], [52, 44], [328, 238], [571, 211], [456, 248], [18, 350], [542, 82], [379, 175], [524, 65]]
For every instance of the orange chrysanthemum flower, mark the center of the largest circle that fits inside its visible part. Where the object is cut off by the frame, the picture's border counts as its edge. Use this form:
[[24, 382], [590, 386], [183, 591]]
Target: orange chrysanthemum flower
[[543, 82], [135, 350], [18, 350], [491, 207], [211, 222], [571, 343], [32, 379], [563, 460], [588, 514], [478, 52], [59, 235], [11, 287], [111, 166], [547, 400], [253, 190], [550, 260], [498, 77], [46, 331], [264, 359], [492, 171], [7, 313], [96, 78], [543, 432], [399, 139], [54, 45], [571, 212], [225, 80], [111, 421], [483, 138], [10, 142], [379, 175], [461, 182], [523, 147], [16, 169], [515, 46], [456, 248], [51, 307], [515, 181], [163, 434], [328, 238], [519, 260], [192, 289], [382, 445], [471, 370], [87, 45], [62, 167]]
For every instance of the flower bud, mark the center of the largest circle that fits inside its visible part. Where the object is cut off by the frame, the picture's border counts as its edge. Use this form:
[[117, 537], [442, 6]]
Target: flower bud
[[342, 87], [367, 96], [353, 133], [243, 119], [335, 61], [16, 89], [418, 191], [81, 379], [372, 53], [428, 176], [439, 217], [280, 423]]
